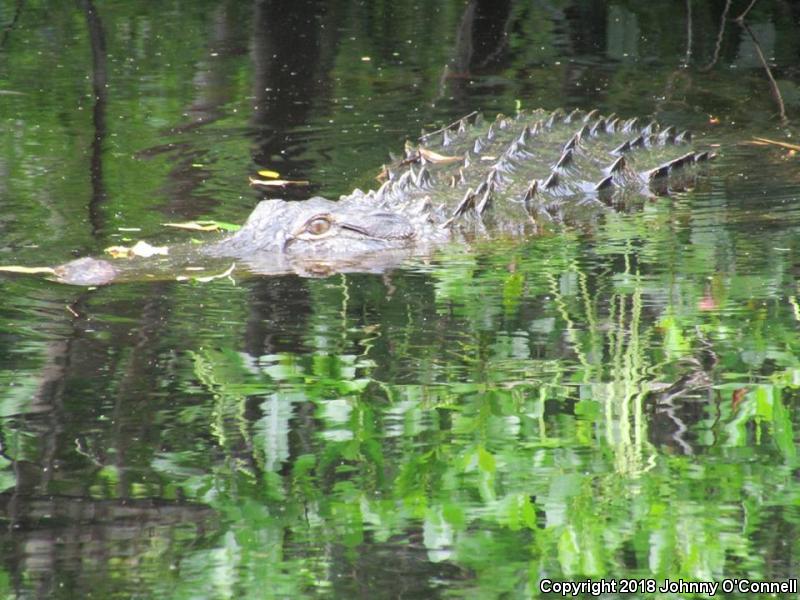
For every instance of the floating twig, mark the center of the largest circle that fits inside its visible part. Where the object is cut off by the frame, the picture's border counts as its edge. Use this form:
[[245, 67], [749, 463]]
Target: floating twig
[[422, 138], [28, 270], [208, 278], [204, 226], [759, 141], [277, 182]]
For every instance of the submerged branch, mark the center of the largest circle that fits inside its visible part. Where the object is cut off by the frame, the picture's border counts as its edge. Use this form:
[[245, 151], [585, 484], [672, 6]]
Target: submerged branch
[[720, 34], [740, 18], [11, 24], [688, 57], [773, 85], [424, 137]]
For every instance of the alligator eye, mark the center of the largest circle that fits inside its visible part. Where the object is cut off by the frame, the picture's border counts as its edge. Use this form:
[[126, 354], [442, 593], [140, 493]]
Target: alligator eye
[[318, 226]]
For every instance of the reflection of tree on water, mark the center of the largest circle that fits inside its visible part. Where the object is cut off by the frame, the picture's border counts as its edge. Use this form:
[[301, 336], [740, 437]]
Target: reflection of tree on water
[[619, 372], [54, 516], [189, 146], [292, 52], [9, 26], [100, 91], [290, 48], [383, 444], [46, 537], [481, 39], [77, 479], [112, 455]]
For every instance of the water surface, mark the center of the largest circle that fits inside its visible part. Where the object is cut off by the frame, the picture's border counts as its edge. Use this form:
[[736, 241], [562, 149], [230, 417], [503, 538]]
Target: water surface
[[611, 402]]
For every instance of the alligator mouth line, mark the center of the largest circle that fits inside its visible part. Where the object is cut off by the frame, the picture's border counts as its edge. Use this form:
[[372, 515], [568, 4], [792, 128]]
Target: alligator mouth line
[[365, 234], [359, 230]]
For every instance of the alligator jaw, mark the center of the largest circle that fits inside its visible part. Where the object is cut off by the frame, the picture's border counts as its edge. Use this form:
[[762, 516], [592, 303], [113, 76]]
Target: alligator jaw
[[378, 261]]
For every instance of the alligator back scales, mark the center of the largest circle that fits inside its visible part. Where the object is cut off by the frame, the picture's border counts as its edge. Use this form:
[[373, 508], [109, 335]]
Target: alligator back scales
[[534, 167]]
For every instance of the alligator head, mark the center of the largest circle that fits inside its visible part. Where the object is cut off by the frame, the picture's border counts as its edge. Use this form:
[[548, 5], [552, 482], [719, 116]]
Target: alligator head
[[318, 236], [318, 226], [315, 237]]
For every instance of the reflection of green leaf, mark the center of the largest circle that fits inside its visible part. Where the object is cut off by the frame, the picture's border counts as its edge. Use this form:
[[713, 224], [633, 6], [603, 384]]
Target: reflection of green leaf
[[486, 460], [303, 465], [783, 431], [736, 429], [675, 344], [7, 480], [517, 511], [109, 474], [494, 384], [454, 514], [373, 451], [569, 551], [512, 291]]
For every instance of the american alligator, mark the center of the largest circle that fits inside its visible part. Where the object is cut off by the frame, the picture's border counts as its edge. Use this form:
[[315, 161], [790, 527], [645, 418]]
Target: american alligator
[[510, 176]]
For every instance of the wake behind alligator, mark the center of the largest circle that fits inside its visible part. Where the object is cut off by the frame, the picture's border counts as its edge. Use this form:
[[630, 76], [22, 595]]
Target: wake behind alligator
[[511, 176]]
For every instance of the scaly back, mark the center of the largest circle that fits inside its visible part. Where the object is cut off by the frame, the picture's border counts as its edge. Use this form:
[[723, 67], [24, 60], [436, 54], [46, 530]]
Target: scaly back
[[536, 166]]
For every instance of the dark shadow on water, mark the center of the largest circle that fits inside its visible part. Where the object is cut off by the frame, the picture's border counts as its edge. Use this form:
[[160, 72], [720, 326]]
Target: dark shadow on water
[[100, 90], [292, 45]]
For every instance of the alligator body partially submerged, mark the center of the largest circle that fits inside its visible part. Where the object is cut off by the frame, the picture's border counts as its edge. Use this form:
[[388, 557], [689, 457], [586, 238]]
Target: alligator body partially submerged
[[509, 176]]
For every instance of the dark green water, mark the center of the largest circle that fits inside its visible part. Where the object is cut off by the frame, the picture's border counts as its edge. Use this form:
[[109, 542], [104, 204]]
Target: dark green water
[[619, 402]]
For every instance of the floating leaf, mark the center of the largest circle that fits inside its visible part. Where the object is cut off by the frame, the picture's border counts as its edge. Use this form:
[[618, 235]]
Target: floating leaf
[[438, 159], [269, 174], [140, 248], [277, 182], [118, 251], [204, 226], [27, 270]]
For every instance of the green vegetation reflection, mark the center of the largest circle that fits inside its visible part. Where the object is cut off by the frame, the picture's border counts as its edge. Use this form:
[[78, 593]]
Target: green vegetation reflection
[[624, 441]]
